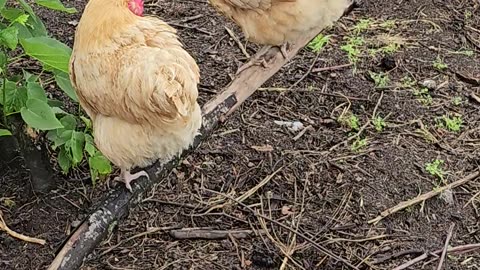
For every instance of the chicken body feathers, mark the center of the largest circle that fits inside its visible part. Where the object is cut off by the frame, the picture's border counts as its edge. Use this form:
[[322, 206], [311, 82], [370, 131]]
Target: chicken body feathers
[[274, 22], [138, 85]]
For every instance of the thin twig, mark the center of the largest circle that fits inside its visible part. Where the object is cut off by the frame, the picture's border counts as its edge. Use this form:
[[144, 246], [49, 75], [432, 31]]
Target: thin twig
[[447, 241], [202, 233], [423, 197], [237, 40], [4, 227], [331, 68]]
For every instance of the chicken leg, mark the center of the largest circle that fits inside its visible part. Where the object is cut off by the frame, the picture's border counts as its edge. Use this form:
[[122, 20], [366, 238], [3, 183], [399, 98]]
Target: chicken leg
[[262, 58], [126, 177]]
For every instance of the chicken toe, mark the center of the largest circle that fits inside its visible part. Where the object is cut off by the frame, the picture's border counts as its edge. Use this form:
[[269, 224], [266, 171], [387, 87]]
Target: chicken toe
[[284, 49], [258, 59], [126, 177]]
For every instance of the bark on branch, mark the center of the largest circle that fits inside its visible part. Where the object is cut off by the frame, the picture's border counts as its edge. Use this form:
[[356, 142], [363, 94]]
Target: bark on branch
[[118, 202]]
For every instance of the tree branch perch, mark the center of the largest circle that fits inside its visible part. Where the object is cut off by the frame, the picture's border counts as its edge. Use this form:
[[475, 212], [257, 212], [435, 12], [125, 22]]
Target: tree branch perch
[[117, 203]]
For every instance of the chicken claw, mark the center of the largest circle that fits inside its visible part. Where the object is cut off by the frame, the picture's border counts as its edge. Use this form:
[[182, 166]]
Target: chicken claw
[[284, 49], [262, 58], [126, 177]]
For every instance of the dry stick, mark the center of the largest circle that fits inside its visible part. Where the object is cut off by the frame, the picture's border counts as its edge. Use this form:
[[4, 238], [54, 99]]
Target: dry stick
[[444, 252], [423, 197], [4, 227], [117, 203], [199, 233]]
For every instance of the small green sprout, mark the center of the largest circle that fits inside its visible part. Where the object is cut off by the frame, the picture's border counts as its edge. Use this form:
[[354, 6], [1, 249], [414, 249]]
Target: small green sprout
[[439, 64], [435, 169], [352, 48], [408, 82], [388, 24], [318, 43], [379, 123], [457, 101], [423, 96], [350, 121], [381, 79], [362, 25], [453, 124], [358, 144]]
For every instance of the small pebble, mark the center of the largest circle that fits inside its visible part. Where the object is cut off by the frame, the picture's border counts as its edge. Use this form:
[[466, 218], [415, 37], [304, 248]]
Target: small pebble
[[430, 84]]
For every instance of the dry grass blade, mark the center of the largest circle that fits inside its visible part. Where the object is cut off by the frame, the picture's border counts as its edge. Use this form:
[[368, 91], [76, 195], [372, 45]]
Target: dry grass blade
[[423, 197]]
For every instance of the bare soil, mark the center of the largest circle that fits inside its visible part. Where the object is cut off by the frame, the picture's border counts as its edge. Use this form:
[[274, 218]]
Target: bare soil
[[320, 184]]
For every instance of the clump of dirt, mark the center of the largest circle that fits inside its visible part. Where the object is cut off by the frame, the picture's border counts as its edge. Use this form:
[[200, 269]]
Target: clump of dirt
[[324, 181]]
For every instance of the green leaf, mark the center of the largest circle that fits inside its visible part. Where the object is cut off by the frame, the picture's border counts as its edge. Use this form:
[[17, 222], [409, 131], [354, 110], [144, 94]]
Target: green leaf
[[29, 77], [11, 14], [55, 103], [64, 161], [16, 97], [5, 132], [2, 3], [57, 110], [75, 146], [100, 163], [26, 7], [9, 37], [88, 122], [35, 90], [63, 81], [3, 60], [69, 122], [22, 19], [49, 51], [90, 145], [39, 115], [55, 5], [59, 137]]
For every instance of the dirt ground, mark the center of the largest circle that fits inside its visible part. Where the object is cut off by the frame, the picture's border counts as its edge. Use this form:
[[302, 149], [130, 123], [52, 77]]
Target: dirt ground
[[321, 181]]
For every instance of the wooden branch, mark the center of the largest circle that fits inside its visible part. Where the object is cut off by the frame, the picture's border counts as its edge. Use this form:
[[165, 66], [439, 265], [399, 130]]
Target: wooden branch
[[118, 202], [424, 197]]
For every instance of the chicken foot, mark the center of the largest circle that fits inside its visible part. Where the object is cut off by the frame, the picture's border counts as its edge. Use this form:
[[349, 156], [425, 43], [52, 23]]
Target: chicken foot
[[263, 58], [126, 177]]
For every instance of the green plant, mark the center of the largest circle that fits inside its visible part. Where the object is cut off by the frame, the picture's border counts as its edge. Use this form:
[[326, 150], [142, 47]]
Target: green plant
[[453, 124], [21, 30], [435, 169], [318, 43], [388, 24], [362, 25], [379, 123], [381, 79], [351, 121], [408, 82], [352, 48], [439, 64], [423, 95], [457, 101], [358, 144]]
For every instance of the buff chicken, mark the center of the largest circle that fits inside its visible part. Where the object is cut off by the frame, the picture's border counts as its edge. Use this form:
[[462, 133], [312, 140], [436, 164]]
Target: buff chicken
[[137, 84], [279, 22]]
